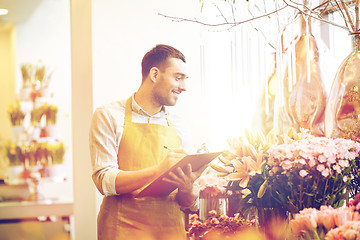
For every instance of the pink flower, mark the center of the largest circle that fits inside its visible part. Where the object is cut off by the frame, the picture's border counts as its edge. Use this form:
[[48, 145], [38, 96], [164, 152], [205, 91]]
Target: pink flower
[[341, 216], [326, 172], [336, 168], [214, 221], [326, 217], [286, 165], [312, 163], [343, 163], [303, 173], [306, 219], [322, 159], [320, 167], [349, 231]]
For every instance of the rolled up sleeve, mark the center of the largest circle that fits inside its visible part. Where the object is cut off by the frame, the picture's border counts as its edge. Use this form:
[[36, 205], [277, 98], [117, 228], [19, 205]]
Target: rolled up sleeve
[[103, 151]]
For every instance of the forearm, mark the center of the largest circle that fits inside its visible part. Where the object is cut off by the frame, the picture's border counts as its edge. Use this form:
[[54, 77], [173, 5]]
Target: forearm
[[128, 181]]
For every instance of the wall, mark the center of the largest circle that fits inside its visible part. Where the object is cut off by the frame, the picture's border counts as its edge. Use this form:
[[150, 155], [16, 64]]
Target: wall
[[123, 31], [7, 77]]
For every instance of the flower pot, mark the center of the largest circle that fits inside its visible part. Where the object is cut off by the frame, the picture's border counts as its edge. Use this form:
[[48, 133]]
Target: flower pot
[[45, 92], [14, 175], [272, 222], [52, 131], [16, 132], [220, 205], [24, 94], [57, 172], [35, 133]]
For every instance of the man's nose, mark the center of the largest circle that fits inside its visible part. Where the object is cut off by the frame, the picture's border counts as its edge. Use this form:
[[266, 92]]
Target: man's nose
[[182, 86]]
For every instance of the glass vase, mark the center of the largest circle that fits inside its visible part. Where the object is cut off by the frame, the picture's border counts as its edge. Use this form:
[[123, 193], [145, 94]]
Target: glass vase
[[301, 98], [273, 222], [342, 115], [220, 205]]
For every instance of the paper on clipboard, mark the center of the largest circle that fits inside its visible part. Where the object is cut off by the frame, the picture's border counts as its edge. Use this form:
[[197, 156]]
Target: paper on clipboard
[[161, 188]]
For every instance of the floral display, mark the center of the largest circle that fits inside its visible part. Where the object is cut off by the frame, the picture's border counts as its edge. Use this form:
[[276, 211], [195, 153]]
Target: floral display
[[44, 153], [289, 172], [223, 224]]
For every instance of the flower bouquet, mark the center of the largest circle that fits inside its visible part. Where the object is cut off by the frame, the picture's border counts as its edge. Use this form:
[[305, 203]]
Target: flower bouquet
[[288, 173], [211, 186], [313, 171], [327, 223], [224, 227]]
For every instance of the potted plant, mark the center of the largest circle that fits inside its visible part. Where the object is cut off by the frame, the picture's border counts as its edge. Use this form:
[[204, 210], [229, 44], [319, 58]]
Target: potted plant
[[26, 72], [16, 162], [50, 111], [36, 116], [16, 116], [43, 76], [55, 153]]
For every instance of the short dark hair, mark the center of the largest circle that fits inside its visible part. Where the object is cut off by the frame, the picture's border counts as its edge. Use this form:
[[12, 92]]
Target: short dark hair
[[157, 56]]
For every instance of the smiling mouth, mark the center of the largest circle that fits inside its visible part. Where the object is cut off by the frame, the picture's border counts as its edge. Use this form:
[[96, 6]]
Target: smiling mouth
[[176, 92]]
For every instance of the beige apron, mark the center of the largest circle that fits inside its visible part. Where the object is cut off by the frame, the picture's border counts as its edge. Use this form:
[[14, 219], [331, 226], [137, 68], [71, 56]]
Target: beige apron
[[148, 218]]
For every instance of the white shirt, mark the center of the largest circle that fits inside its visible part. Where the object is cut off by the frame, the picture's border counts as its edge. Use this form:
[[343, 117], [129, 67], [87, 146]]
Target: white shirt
[[106, 130]]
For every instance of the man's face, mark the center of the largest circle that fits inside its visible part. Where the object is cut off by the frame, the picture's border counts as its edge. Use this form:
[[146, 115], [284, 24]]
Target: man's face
[[171, 82]]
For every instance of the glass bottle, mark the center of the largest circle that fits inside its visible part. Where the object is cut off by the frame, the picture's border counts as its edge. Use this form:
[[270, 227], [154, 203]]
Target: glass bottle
[[342, 115]]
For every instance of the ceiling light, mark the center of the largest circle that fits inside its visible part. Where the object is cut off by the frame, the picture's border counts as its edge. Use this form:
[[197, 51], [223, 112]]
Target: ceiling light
[[3, 11]]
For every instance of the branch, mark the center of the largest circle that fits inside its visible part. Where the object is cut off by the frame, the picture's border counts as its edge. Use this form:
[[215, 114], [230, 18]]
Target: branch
[[347, 14], [357, 15], [315, 17], [232, 24], [221, 13]]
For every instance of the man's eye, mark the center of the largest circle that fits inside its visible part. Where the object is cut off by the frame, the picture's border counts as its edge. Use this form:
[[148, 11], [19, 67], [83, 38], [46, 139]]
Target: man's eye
[[178, 78]]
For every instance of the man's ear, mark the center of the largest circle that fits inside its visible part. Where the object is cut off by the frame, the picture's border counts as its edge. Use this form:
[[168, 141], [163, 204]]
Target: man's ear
[[154, 73]]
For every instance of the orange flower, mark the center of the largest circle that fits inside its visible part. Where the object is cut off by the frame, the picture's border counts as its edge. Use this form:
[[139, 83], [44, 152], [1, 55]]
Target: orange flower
[[243, 171], [236, 147], [258, 164]]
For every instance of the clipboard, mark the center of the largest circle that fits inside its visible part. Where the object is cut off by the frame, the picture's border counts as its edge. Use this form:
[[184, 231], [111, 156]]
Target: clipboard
[[159, 187]]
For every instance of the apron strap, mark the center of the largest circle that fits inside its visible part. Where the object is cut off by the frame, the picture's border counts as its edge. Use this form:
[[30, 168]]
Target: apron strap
[[128, 111]]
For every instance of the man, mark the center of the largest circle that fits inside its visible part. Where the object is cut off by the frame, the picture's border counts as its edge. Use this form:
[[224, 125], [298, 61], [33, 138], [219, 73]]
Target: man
[[127, 140]]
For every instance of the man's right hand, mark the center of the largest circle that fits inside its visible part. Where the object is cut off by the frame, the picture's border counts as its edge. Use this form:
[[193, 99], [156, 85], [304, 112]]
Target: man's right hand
[[174, 156]]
